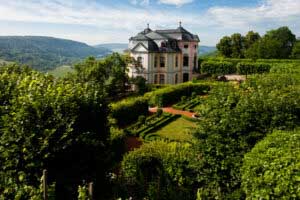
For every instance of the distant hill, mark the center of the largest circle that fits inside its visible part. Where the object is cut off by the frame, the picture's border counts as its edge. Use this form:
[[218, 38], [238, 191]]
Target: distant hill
[[114, 47], [120, 47], [203, 50], [45, 53]]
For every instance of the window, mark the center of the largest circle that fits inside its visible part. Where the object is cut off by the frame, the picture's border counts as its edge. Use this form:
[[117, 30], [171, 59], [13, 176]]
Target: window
[[161, 79], [176, 78], [185, 60], [163, 44], [155, 79], [155, 61], [195, 61], [162, 61], [140, 61], [196, 46], [185, 77], [176, 61], [186, 46]]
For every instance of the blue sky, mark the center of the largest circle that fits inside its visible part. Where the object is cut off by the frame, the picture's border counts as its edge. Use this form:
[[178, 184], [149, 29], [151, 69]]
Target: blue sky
[[110, 21]]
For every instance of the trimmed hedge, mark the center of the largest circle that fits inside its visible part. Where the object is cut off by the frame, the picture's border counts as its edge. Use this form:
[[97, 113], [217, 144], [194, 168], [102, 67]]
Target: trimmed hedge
[[128, 111], [218, 68], [272, 169], [245, 68], [173, 94]]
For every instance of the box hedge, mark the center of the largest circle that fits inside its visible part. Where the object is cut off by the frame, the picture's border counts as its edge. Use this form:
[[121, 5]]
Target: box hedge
[[245, 68], [218, 68], [173, 94], [128, 111]]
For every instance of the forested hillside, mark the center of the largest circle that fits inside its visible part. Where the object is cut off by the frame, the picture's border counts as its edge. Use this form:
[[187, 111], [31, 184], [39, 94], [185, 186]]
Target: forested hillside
[[115, 47], [45, 53]]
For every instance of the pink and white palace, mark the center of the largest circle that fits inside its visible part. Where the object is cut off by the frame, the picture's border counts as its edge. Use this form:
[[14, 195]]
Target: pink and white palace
[[166, 56]]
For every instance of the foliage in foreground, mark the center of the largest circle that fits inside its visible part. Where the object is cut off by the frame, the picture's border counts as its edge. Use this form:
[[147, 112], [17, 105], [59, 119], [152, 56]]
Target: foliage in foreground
[[272, 169], [234, 119], [161, 170], [60, 126]]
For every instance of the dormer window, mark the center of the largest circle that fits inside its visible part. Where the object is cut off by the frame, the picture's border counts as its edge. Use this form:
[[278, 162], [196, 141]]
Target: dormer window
[[163, 44]]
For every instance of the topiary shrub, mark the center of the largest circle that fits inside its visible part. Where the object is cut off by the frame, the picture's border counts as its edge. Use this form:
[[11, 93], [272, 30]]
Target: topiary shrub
[[142, 120], [272, 169], [159, 112]]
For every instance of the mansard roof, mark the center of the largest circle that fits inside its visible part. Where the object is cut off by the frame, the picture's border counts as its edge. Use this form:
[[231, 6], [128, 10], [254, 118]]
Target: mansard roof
[[165, 34]]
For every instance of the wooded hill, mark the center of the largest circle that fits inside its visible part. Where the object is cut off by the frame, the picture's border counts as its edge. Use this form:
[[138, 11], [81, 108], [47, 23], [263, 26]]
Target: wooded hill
[[45, 53]]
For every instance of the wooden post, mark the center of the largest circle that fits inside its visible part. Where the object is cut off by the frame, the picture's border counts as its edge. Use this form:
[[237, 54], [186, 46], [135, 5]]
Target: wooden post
[[45, 186], [91, 188]]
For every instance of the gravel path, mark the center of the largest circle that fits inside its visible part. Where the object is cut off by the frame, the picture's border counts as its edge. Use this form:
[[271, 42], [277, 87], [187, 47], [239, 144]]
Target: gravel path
[[173, 111]]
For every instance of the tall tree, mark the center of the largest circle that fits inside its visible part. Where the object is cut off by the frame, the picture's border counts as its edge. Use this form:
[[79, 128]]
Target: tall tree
[[237, 45], [296, 50], [224, 46], [109, 73], [251, 38], [285, 38]]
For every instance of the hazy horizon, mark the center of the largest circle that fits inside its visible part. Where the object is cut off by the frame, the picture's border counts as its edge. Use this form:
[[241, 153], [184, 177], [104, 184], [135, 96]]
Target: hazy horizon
[[99, 22]]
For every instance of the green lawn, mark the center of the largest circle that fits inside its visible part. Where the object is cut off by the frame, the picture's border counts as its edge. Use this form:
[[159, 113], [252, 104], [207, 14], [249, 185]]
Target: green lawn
[[177, 130], [61, 71]]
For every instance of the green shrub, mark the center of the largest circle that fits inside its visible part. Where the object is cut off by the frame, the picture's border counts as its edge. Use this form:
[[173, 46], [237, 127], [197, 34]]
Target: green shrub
[[252, 68], [142, 119], [218, 68], [173, 94], [272, 169], [159, 112], [127, 111], [161, 170]]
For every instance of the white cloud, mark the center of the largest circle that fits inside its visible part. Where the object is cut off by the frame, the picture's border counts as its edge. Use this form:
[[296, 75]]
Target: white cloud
[[274, 11], [118, 23], [176, 2], [140, 2]]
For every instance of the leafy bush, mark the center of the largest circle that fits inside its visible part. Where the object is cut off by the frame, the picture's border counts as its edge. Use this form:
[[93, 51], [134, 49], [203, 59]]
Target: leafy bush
[[172, 172], [234, 119], [272, 169], [173, 94], [218, 68], [253, 68], [142, 119], [48, 124], [127, 111], [159, 112]]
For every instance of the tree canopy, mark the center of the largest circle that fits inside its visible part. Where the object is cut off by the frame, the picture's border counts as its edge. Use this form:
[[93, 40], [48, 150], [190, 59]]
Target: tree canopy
[[276, 43]]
